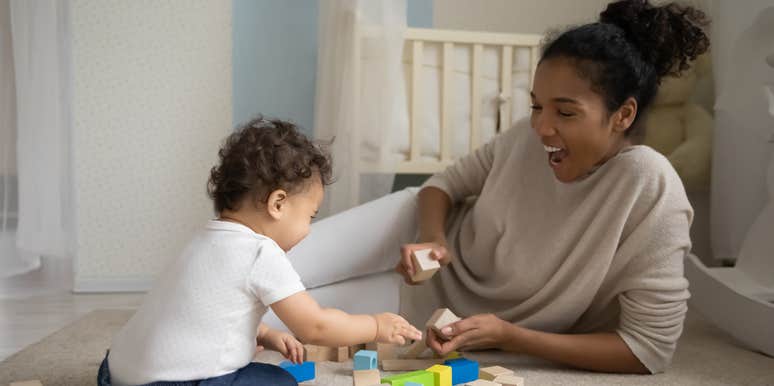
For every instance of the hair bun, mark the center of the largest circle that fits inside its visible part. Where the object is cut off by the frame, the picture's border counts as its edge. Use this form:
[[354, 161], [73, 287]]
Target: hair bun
[[669, 36]]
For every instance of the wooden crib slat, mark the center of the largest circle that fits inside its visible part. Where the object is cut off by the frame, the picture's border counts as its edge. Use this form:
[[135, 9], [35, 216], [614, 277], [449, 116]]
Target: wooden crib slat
[[505, 88], [475, 99], [446, 100], [534, 56], [416, 97]]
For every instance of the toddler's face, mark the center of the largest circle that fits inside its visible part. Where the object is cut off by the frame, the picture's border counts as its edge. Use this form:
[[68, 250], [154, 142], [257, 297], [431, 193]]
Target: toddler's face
[[301, 209]]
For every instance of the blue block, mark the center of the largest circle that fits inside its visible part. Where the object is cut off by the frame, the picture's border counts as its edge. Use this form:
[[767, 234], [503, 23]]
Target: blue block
[[463, 370], [365, 360], [301, 372]]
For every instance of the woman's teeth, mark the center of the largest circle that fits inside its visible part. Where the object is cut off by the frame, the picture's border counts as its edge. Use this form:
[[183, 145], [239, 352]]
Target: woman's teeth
[[551, 149]]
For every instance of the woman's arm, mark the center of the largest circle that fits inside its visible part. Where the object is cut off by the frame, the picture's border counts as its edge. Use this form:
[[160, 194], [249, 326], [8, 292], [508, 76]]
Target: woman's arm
[[434, 205], [605, 352]]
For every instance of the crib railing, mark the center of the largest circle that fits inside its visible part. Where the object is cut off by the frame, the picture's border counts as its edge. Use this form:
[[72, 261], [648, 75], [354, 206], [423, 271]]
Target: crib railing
[[416, 38]]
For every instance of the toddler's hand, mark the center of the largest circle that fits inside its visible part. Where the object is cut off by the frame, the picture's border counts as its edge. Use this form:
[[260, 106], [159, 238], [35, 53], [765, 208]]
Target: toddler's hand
[[286, 344], [391, 328]]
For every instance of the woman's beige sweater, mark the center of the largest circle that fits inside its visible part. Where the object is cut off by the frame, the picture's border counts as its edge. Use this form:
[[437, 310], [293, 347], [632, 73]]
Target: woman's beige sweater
[[601, 254]]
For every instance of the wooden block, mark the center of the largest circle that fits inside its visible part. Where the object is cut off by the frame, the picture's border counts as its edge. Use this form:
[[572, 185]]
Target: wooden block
[[384, 350], [315, 353], [492, 372], [342, 354], [409, 364], [421, 377], [424, 266], [414, 350], [463, 370], [365, 360], [441, 318], [301, 372], [442, 374], [367, 377], [510, 380], [27, 383], [482, 382]]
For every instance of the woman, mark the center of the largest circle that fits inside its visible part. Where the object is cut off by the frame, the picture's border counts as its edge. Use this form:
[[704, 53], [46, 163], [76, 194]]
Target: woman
[[572, 249]]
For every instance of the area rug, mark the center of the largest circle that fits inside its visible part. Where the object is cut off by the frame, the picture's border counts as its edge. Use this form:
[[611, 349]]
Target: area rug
[[705, 356]]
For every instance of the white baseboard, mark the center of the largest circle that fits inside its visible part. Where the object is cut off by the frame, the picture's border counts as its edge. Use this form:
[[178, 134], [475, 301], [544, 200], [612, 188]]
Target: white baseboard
[[114, 284]]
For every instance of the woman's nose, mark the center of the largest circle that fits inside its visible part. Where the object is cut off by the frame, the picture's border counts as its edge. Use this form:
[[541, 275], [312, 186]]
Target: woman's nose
[[543, 126]]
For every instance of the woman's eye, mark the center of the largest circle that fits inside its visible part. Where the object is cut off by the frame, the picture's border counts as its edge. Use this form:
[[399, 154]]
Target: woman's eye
[[565, 114], [536, 107]]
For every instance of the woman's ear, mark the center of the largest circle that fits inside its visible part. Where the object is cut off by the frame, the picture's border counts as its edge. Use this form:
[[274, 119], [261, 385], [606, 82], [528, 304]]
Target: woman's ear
[[276, 203], [625, 115]]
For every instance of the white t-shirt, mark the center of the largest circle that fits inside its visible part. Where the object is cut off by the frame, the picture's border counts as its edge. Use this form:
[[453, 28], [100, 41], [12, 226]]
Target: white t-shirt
[[201, 318]]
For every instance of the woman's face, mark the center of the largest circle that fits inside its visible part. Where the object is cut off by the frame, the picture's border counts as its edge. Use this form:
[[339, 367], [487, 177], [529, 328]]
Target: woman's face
[[577, 131]]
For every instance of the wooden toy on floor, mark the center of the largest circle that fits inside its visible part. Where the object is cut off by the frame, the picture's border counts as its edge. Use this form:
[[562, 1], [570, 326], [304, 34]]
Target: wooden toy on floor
[[301, 372], [442, 375], [422, 377], [383, 350], [365, 360], [366, 377], [424, 266], [409, 364], [315, 353], [492, 372], [463, 370], [414, 350], [510, 380], [442, 317], [481, 382]]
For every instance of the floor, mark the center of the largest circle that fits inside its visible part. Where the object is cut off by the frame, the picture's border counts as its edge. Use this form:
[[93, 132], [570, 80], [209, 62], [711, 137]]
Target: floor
[[36, 304]]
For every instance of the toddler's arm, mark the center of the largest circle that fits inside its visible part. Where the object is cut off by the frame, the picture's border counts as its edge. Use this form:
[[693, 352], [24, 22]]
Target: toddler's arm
[[332, 327]]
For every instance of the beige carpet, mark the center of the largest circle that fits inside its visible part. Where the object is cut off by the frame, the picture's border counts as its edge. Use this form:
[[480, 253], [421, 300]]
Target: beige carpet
[[705, 356]]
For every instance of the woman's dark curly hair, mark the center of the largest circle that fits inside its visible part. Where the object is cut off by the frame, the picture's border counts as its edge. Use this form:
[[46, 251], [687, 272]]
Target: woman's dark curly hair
[[631, 48], [262, 156]]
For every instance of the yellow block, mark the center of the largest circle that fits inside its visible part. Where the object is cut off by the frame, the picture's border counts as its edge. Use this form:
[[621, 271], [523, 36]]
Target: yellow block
[[442, 375]]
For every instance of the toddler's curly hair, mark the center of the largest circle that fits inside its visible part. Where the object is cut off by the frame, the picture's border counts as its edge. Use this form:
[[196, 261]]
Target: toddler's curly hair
[[262, 156]]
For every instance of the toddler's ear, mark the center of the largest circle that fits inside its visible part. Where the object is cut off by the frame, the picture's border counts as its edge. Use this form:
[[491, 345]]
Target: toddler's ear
[[276, 202]]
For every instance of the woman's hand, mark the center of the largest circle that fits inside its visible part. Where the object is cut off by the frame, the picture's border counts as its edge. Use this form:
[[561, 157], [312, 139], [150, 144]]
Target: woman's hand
[[406, 267], [477, 332], [286, 344]]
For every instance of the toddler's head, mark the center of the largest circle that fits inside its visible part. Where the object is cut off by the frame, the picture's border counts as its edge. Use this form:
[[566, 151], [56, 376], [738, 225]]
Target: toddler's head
[[270, 177]]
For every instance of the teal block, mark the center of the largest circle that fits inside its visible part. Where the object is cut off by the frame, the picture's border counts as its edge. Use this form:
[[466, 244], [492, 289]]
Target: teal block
[[365, 360]]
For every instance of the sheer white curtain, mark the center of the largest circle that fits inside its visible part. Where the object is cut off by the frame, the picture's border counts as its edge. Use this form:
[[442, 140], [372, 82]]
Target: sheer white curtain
[[36, 197], [361, 120]]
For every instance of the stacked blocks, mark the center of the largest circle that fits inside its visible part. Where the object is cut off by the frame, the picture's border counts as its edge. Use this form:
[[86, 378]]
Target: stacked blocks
[[365, 360], [301, 372], [463, 370]]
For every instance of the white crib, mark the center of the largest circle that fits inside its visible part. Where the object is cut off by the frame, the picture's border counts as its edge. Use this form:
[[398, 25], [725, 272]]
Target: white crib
[[462, 88]]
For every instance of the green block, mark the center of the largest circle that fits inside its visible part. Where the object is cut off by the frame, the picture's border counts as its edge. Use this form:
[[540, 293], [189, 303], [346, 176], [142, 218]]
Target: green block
[[421, 376]]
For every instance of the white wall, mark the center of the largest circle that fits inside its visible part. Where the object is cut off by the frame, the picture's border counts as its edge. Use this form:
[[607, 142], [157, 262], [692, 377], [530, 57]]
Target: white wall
[[521, 16], [151, 103], [517, 16]]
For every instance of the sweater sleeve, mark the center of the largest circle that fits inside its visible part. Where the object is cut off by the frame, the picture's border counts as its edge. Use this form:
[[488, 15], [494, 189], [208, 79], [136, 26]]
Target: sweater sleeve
[[654, 290], [467, 175]]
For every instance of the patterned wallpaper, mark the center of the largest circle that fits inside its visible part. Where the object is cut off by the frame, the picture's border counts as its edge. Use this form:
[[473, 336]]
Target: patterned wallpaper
[[151, 104]]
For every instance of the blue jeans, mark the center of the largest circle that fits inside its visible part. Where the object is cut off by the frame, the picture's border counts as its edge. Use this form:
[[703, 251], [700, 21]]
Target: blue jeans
[[254, 374]]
